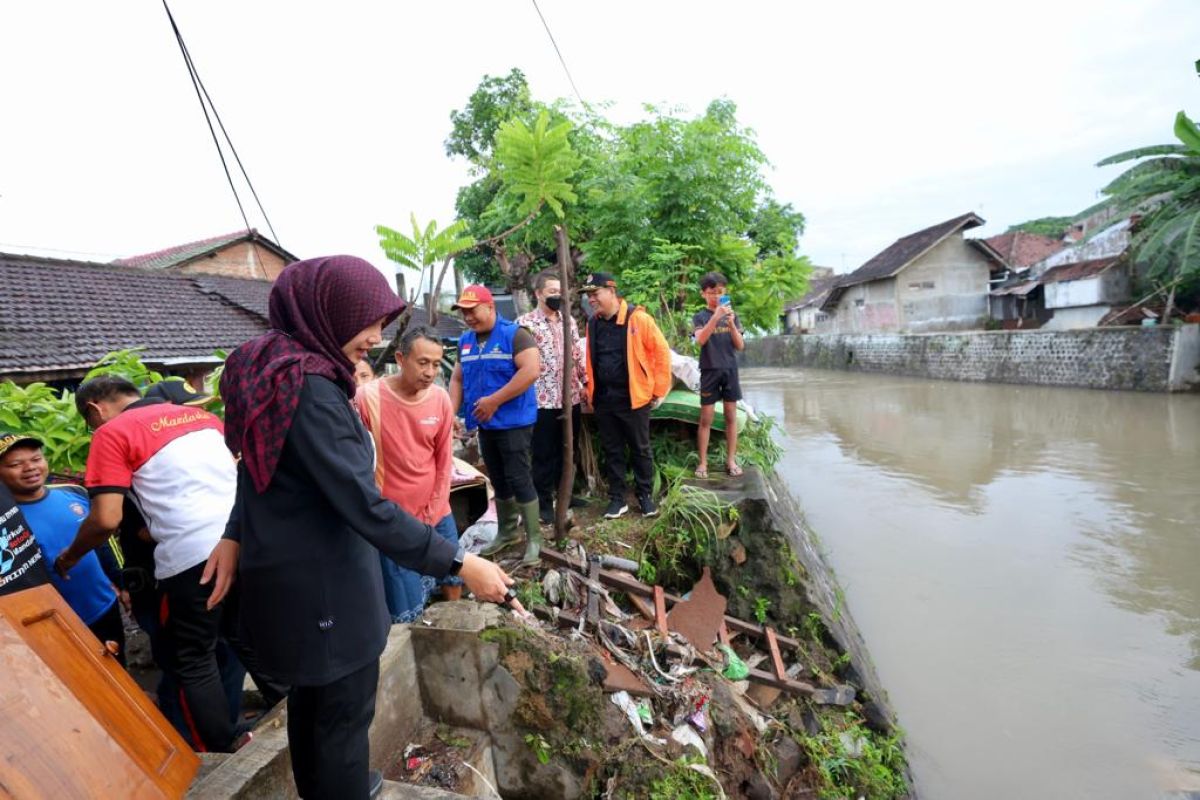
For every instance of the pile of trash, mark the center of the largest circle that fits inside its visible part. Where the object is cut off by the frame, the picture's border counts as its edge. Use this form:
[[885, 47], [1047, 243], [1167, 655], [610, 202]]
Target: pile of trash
[[695, 703]]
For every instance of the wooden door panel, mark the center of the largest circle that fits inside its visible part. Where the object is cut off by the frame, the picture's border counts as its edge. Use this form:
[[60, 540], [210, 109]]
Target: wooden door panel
[[75, 724]]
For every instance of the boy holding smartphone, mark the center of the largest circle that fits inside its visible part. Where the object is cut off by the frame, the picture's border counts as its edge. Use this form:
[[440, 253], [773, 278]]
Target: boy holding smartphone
[[719, 334]]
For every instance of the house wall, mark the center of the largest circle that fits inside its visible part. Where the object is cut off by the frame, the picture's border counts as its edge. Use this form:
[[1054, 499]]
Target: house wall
[[1066, 319], [1147, 359], [241, 260], [866, 308], [945, 289], [1067, 294]]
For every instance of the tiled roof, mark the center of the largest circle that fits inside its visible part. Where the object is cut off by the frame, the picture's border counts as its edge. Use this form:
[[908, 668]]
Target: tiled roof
[[817, 290], [1023, 249], [1079, 270], [250, 294], [900, 254], [62, 315], [448, 326], [183, 253], [905, 250]]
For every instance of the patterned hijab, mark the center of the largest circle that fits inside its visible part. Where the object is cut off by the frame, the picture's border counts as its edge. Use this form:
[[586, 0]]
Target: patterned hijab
[[316, 306]]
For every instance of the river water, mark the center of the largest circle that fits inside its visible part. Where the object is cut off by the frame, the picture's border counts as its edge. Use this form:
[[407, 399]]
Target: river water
[[1024, 564]]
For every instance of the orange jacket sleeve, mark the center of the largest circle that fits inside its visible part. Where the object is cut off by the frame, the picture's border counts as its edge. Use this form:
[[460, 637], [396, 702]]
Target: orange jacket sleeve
[[658, 356]]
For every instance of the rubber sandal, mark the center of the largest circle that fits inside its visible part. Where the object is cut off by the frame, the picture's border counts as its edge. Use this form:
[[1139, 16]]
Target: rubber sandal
[[701, 472], [734, 470]]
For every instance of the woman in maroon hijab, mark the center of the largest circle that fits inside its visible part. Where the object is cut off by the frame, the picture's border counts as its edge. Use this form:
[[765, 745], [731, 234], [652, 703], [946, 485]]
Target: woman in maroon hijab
[[309, 519]]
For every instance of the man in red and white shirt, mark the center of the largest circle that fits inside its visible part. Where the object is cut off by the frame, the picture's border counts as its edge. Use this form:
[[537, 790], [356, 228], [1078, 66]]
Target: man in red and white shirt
[[173, 462], [545, 322]]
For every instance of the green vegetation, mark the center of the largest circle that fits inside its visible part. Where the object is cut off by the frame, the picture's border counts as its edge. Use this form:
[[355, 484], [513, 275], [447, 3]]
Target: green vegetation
[[1054, 227], [761, 604], [691, 520], [851, 760], [683, 782], [658, 202], [40, 411], [50, 415], [530, 593], [1164, 185]]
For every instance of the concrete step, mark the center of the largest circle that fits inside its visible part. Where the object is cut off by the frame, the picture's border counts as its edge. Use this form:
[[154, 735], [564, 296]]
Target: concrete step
[[406, 791]]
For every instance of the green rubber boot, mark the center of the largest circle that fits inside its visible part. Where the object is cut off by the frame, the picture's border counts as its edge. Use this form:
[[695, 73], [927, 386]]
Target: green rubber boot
[[533, 533], [506, 527]]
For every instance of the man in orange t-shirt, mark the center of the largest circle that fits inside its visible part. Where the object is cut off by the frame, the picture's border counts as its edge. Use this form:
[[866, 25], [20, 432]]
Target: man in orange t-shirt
[[411, 422]]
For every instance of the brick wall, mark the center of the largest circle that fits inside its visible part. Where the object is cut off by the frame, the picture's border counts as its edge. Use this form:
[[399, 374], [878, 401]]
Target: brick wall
[[1097, 358], [241, 260]]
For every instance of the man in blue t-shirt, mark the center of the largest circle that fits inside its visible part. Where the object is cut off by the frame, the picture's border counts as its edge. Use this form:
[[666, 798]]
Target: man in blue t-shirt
[[53, 514]]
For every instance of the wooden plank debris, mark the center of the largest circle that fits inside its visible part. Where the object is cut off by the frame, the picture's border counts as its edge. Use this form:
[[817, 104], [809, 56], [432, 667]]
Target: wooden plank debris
[[631, 586]]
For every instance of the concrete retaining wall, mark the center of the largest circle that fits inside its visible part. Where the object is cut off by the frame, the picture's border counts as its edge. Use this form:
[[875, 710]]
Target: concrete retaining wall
[[1143, 359]]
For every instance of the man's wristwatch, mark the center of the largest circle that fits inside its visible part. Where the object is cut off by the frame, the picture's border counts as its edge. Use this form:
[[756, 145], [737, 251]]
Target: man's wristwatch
[[457, 564]]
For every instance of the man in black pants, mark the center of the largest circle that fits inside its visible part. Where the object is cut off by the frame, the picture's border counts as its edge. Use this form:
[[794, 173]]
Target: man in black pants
[[629, 373], [492, 388], [546, 324], [174, 463]]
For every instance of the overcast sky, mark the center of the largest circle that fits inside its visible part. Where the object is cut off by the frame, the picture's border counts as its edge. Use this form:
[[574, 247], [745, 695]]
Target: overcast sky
[[879, 118]]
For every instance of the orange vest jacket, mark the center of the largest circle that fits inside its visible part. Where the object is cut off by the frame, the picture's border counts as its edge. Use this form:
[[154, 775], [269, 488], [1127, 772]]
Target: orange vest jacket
[[648, 355]]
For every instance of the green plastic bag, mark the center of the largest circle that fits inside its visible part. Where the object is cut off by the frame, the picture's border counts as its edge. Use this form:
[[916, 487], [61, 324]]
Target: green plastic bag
[[735, 668]]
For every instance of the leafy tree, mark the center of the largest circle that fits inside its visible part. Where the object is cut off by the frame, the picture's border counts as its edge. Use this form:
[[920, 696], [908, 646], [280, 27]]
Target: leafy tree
[[659, 202], [495, 101], [760, 298], [776, 228], [536, 164], [425, 247], [691, 182], [1165, 186]]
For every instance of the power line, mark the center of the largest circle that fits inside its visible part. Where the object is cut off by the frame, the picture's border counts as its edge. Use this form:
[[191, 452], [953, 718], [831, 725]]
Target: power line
[[202, 96], [561, 60]]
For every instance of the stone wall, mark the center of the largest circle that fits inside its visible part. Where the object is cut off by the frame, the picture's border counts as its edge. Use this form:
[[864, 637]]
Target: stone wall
[[1144, 359]]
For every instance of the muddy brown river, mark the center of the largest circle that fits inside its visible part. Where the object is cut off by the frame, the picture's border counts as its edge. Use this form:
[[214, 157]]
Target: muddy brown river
[[1024, 564]]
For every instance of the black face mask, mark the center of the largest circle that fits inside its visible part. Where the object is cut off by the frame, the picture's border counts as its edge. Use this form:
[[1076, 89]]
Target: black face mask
[[554, 303]]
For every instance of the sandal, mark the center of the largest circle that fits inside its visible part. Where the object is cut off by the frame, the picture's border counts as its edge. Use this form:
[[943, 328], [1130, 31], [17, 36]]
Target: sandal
[[701, 472], [733, 469]]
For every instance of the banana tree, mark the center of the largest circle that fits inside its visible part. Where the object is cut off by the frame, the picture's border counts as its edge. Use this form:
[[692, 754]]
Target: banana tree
[[1165, 187]]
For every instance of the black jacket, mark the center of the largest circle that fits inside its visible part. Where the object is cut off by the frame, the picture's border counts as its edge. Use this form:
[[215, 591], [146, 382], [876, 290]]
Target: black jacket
[[312, 605]]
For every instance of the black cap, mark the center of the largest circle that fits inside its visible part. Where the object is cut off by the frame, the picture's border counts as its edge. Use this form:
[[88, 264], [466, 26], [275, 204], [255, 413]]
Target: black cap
[[177, 392], [598, 280]]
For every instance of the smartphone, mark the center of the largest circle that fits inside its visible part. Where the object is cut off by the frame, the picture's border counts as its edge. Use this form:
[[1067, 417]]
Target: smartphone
[[724, 300]]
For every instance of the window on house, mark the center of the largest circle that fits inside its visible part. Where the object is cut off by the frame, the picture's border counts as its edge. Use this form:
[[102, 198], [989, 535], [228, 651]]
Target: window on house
[[918, 286], [859, 303]]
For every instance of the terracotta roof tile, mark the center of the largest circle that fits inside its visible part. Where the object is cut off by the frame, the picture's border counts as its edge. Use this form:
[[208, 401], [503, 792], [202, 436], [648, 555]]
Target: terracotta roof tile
[[183, 253], [1023, 249], [1078, 270]]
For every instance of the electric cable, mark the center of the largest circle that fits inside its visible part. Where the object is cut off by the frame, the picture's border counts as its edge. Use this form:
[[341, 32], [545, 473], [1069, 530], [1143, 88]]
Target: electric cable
[[561, 60], [202, 96]]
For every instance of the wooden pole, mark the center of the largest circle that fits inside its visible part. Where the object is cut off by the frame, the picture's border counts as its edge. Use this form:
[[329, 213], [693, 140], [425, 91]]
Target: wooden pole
[[567, 479]]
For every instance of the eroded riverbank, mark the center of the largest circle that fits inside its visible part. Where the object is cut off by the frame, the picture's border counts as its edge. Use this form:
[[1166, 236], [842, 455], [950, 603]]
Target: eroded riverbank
[[1022, 562]]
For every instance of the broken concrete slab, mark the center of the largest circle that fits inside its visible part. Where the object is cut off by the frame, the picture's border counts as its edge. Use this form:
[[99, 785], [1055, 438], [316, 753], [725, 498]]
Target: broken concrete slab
[[699, 617]]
